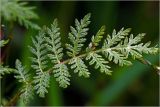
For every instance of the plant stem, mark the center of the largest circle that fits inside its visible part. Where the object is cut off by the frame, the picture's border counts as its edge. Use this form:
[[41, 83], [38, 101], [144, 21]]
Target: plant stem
[[142, 60], [14, 100], [146, 62]]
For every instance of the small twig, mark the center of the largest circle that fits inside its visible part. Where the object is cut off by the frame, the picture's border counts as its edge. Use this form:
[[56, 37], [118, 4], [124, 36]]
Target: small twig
[[142, 60], [146, 62], [13, 101]]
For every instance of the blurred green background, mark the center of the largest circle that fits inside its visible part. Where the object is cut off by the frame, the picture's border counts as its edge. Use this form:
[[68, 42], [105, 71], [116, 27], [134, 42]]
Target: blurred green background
[[134, 85]]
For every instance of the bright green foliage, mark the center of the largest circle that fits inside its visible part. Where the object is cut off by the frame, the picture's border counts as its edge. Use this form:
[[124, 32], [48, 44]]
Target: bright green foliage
[[96, 39], [115, 49], [77, 36], [39, 51], [134, 48], [3, 42], [42, 83], [56, 53], [47, 48], [27, 93], [121, 50], [111, 51], [5, 70], [54, 44], [79, 67], [42, 78], [116, 57], [23, 76], [117, 37], [13, 10], [61, 74], [99, 62]]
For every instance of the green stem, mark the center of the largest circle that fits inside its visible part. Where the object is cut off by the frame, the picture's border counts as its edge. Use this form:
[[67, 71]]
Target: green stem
[[146, 62], [142, 60], [13, 101]]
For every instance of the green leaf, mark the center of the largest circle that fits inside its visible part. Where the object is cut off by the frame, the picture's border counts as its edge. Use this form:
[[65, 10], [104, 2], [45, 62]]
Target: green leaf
[[22, 74], [13, 10], [117, 37], [3, 42], [77, 35], [136, 49], [5, 70], [39, 51], [56, 53], [27, 93], [99, 62], [96, 39], [54, 43], [117, 57], [134, 40], [41, 81], [79, 67], [61, 74]]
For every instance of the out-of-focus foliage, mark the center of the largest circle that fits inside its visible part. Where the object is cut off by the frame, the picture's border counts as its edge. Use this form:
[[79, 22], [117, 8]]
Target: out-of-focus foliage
[[14, 10], [5, 70], [3, 42], [23, 76]]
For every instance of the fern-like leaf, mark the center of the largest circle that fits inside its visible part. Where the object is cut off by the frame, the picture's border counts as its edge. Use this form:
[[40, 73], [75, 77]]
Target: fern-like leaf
[[42, 83], [56, 53], [99, 62], [24, 77], [111, 47], [39, 51], [62, 75], [116, 37], [116, 56], [42, 78], [79, 67], [27, 93], [22, 74], [96, 39], [77, 36], [13, 10], [5, 70], [131, 46], [54, 43], [117, 48]]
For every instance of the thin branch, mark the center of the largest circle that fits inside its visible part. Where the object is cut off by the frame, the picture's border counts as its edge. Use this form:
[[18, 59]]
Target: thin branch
[[14, 100], [146, 62], [142, 60]]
